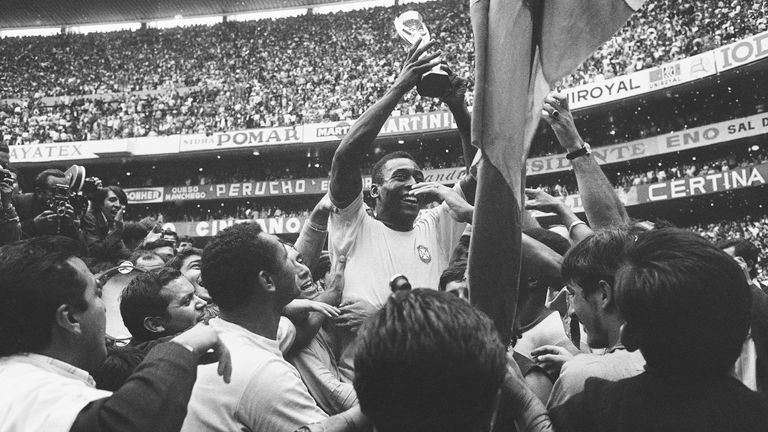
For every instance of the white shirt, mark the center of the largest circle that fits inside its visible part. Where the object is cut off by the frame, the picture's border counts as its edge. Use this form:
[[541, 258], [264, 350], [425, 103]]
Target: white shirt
[[318, 368], [265, 394], [375, 253], [549, 331], [40, 393]]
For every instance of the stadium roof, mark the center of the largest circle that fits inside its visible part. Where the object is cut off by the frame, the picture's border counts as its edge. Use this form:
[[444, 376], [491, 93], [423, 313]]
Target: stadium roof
[[59, 13]]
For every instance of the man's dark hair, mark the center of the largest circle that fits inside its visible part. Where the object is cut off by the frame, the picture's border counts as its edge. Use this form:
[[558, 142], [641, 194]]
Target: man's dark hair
[[142, 298], [428, 361], [686, 303], [596, 258], [550, 239], [120, 364], [744, 249], [35, 279], [142, 254], [456, 272], [377, 174], [178, 260], [99, 195], [133, 234], [41, 180], [4, 148], [232, 261]]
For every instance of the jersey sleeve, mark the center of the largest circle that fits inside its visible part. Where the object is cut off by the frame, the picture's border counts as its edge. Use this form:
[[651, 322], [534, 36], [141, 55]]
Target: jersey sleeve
[[344, 225]]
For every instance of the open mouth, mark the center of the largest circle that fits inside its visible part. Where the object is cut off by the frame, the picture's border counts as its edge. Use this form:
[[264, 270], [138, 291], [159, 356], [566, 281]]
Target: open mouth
[[306, 285], [410, 199]]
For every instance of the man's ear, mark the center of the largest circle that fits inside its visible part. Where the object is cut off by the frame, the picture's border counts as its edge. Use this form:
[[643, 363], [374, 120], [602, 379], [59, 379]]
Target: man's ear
[[266, 282], [374, 191], [67, 319], [154, 324], [605, 291], [631, 339]]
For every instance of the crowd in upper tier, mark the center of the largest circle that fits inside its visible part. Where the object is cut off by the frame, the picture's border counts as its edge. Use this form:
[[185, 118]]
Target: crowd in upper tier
[[312, 68]]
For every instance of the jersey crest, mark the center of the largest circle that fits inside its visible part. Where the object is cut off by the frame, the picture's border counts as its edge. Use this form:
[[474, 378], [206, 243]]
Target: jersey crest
[[424, 254]]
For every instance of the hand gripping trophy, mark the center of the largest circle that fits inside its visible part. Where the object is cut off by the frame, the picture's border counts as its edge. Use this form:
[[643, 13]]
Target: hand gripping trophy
[[410, 26]]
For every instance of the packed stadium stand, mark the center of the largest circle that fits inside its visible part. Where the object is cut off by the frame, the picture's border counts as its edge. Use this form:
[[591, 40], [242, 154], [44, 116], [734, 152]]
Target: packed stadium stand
[[214, 93]]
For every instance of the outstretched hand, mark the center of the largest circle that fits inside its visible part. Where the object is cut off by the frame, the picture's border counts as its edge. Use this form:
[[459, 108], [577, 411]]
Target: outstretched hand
[[207, 348], [551, 358], [558, 115], [537, 199], [415, 65]]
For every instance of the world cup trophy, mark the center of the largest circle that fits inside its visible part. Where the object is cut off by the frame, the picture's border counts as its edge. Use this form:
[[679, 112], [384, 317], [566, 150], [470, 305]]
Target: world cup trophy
[[410, 27]]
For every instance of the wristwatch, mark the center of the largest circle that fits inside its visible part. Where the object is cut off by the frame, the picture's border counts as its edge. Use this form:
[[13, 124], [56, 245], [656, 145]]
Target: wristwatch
[[586, 150]]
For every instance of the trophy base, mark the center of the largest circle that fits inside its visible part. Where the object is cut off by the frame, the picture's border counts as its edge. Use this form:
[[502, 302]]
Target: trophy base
[[433, 83]]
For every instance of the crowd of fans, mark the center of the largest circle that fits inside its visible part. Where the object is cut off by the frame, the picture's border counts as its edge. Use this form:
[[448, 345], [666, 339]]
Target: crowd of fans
[[752, 229], [365, 322], [313, 68]]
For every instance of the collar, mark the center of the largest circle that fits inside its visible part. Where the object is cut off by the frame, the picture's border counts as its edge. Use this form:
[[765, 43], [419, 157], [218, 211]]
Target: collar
[[223, 326], [52, 365]]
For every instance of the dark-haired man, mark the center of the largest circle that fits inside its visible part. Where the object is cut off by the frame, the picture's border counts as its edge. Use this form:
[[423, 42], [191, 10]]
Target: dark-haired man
[[428, 361], [752, 366], [159, 303], [187, 261], [251, 277], [589, 269], [52, 335], [397, 240], [686, 307], [37, 213]]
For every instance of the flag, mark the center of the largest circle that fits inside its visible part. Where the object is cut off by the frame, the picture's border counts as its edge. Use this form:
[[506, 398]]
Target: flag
[[521, 48]]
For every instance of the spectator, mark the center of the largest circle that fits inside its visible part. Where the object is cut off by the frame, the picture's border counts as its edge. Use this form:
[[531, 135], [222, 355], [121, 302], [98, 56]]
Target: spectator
[[103, 224], [53, 335], [187, 261], [752, 366], [408, 380], [686, 306], [251, 279], [159, 303], [589, 269], [48, 210]]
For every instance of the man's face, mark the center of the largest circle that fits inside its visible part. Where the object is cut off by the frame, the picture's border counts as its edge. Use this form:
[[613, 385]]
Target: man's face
[[111, 205], [185, 308], [395, 204], [155, 262], [285, 276], [586, 308], [307, 288], [190, 268], [50, 188], [5, 159], [93, 320], [164, 252]]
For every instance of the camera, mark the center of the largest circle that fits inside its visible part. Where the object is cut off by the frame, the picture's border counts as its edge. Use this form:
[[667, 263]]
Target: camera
[[60, 200]]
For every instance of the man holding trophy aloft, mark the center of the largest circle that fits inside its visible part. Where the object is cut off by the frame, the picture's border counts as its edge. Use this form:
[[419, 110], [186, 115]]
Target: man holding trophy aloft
[[398, 240]]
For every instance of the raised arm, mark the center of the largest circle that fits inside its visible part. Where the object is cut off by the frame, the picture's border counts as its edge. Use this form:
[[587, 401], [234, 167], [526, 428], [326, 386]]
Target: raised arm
[[312, 237], [454, 99], [346, 169], [601, 203]]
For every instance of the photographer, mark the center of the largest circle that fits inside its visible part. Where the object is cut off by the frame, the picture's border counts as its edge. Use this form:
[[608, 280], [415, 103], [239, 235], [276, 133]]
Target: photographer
[[10, 229], [103, 224], [48, 209]]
